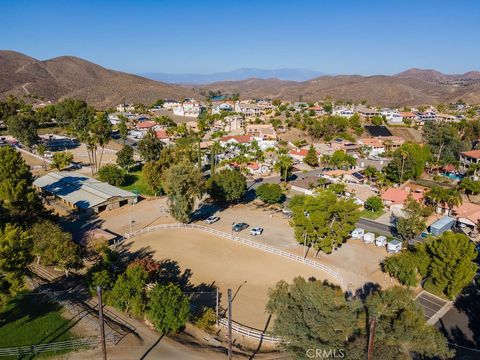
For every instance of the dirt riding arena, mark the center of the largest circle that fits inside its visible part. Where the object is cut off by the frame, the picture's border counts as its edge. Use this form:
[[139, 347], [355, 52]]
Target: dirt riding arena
[[247, 271]]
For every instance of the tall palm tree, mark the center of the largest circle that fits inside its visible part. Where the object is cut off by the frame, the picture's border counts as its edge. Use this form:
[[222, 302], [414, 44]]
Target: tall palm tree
[[404, 154], [453, 198], [283, 165]]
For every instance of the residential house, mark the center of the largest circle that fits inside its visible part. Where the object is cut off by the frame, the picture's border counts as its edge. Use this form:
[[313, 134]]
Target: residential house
[[447, 118], [235, 139], [367, 112], [125, 108], [230, 123], [189, 108], [308, 184], [344, 112], [359, 193], [248, 110], [467, 214], [299, 154], [408, 115], [394, 198], [470, 157], [263, 131], [170, 104], [317, 110], [220, 107], [392, 117]]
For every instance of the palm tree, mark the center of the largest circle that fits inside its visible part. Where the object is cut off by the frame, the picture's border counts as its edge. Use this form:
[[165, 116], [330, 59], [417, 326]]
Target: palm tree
[[42, 149], [283, 165], [404, 154], [436, 196], [453, 198], [473, 169]]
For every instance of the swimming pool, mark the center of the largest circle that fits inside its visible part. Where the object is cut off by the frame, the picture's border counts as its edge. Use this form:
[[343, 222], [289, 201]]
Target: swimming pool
[[453, 176]]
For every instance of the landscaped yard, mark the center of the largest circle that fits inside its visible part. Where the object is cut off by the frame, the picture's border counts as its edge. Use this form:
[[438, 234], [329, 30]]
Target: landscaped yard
[[136, 183], [32, 319], [372, 215]]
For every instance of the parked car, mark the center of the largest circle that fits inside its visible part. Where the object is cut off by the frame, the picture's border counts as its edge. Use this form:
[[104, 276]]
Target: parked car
[[256, 231], [212, 219], [239, 227]]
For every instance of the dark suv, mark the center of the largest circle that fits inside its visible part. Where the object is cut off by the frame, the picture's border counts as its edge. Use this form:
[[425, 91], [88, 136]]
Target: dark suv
[[239, 227]]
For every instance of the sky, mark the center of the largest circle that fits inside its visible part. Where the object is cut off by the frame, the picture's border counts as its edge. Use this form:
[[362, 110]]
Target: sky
[[334, 37]]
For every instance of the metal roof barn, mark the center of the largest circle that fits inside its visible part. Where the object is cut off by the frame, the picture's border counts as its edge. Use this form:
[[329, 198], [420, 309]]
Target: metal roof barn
[[83, 192]]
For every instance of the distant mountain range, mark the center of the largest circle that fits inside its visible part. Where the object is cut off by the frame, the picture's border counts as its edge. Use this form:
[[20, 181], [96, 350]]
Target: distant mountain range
[[235, 75], [68, 76]]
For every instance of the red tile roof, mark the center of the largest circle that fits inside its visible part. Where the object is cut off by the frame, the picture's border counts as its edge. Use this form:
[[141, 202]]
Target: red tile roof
[[161, 134], [398, 196], [301, 152], [146, 124], [242, 139], [472, 153]]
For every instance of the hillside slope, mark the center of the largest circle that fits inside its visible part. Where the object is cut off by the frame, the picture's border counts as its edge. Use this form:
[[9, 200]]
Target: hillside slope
[[68, 76]]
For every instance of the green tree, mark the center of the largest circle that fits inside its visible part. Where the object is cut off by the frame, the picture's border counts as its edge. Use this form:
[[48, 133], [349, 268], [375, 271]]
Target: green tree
[[444, 141], [15, 255], [61, 160], [53, 246], [311, 158], [374, 203], [150, 147], [94, 130], [370, 172], [227, 186], [408, 162], [452, 264], [125, 157], [470, 186], [68, 110], [23, 127], [284, 165], [307, 312], [18, 197], [128, 294], [41, 150], [414, 221], [324, 220], [122, 128], [341, 160], [168, 308], [112, 174], [401, 327], [270, 193], [183, 183]]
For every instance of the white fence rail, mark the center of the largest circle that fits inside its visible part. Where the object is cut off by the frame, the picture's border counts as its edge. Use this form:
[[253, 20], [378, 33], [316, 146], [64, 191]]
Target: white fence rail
[[56, 346], [250, 332], [247, 242]]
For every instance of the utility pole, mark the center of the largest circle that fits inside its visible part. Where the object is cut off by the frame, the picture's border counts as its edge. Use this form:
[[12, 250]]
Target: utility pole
[[371, 338], [102, 326], [229, 324], [216, 307]]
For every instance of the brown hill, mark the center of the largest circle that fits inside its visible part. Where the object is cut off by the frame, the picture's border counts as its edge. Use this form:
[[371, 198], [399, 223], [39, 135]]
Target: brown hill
[[68, 76], [376, 90]]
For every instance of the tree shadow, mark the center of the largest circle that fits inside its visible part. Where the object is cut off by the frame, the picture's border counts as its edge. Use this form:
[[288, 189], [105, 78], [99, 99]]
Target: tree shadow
[[205, 210], [367, 289]]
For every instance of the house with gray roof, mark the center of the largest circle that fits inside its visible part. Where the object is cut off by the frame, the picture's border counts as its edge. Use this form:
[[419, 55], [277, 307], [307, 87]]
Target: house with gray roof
[[82, 192]]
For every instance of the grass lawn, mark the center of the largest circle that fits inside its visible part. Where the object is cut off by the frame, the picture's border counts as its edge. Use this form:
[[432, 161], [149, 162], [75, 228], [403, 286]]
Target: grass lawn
[[136, 182], [32, 319], [372, 215]]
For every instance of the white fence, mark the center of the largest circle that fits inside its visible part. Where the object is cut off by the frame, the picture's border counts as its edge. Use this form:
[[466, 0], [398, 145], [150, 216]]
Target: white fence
[[247, 242], [57, 346], [250, 332]]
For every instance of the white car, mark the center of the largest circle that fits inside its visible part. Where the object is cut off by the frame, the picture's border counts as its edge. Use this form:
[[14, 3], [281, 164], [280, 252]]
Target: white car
[[212, 219], [256, 231]]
